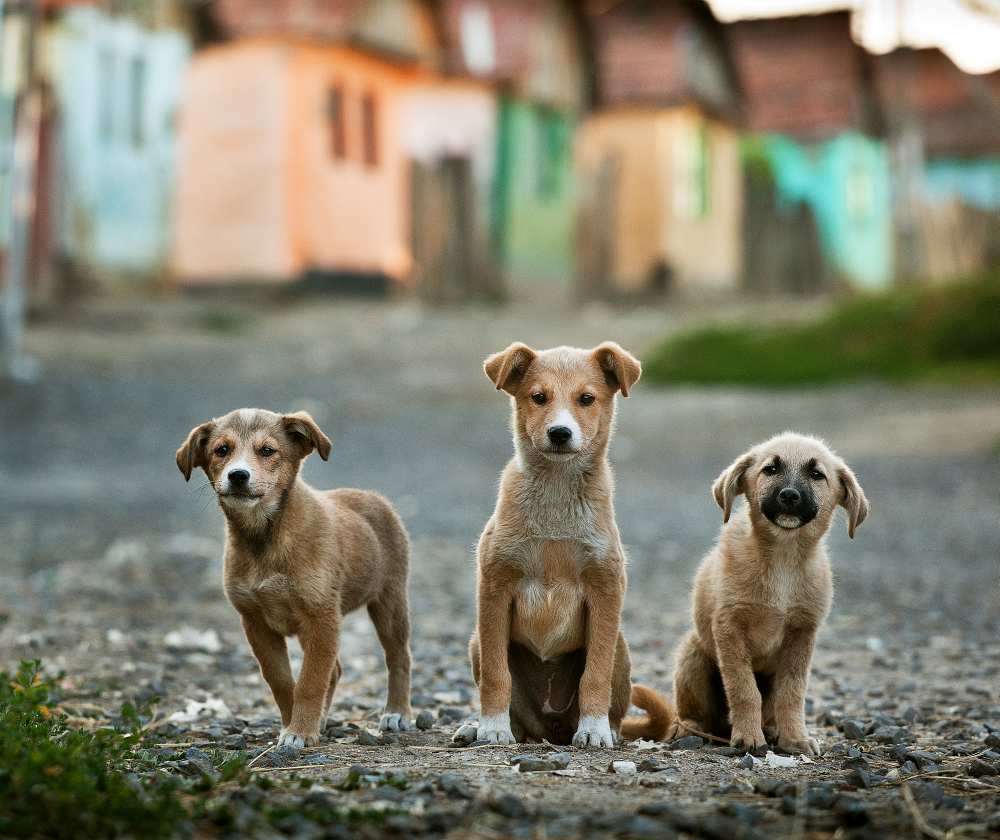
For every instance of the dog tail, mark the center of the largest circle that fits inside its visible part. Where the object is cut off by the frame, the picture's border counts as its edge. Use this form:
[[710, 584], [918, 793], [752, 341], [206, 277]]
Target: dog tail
[[655, 723]]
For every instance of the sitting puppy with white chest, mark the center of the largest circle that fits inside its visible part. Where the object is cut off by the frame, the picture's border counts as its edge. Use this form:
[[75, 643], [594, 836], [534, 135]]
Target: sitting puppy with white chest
[[762, 593], [297, 560], [548, 654]]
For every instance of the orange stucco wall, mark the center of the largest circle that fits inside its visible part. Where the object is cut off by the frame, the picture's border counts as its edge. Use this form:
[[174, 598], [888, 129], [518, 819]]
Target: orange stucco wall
[[345, 214], [230, 219], [262, 195]]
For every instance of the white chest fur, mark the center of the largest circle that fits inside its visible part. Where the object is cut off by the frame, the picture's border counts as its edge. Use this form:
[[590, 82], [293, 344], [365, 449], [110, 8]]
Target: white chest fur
[[272, 598], [549, 615]]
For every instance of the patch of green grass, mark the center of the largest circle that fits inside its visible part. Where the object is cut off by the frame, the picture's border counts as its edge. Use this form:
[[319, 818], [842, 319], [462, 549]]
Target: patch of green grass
[[61, 782], [224, 322], [951, 332], [58, 780]]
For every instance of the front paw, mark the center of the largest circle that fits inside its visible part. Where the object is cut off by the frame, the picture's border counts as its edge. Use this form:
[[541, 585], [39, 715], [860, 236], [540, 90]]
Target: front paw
[[495, 729], [747, 738], [798, 744], [594, 731], [395, 722], [292, 738]]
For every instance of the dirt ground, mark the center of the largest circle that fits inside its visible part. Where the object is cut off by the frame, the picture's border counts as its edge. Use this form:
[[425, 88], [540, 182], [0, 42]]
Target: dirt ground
[[111, 567]]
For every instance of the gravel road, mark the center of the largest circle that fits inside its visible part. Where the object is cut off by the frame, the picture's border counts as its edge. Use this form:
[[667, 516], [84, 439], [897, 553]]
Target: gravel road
[[107, 551]]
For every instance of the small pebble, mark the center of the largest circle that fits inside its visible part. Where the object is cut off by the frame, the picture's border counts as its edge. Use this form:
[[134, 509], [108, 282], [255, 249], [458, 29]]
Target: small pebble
[[366, 739], [425, 720], [541, 763], [508, 805], [688, 742], [978, 768], [853, 729], [623, 768]]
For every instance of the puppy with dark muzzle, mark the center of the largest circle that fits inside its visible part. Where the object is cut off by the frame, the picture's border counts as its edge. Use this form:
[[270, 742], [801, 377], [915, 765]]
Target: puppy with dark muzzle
[[762, 593], [548, 653], [297, 560]]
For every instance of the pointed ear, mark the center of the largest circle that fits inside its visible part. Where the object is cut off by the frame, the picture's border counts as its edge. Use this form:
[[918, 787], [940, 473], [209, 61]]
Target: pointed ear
[[621, 369], [854, 500], [194, 451], [507, 368], [305, 431], [730, 484]]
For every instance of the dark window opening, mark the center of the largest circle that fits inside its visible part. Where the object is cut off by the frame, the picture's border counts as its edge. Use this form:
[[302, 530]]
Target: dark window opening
[[105, 116], [137, 81], [336, 122], [369, 129]]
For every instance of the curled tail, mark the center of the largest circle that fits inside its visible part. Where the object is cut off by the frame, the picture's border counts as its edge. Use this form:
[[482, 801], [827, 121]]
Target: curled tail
[[659, 715]]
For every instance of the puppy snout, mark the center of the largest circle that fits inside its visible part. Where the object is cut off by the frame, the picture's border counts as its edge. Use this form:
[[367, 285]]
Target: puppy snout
[[238, 478], [789, 497], [560, 435]]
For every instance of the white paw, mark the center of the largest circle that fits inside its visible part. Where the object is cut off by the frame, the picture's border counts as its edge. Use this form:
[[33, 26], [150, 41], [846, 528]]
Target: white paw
[[495, 729], [287, 738], [594, 731], [394, 722]]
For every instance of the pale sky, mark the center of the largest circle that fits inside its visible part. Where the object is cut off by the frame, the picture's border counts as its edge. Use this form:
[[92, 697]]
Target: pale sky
[[967, 30]]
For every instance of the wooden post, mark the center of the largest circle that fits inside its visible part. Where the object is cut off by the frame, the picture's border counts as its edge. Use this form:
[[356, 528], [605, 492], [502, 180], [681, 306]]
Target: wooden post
[[27, 124]]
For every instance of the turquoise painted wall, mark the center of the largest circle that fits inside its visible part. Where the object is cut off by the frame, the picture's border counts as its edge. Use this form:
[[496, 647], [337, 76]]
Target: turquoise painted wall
[[118, 86], [846, 183], [533, 200], [972, 182]]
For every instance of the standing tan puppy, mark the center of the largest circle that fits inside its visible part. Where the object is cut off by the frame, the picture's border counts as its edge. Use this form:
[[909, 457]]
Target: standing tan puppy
[[547, 654], [762, 593], [297, 560]]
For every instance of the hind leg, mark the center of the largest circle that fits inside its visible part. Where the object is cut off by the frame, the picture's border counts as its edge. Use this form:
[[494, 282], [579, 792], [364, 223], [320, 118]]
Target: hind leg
[[391, 617], [474, 657], [334, 679], [695, 690], [765, 684], [621, 686]]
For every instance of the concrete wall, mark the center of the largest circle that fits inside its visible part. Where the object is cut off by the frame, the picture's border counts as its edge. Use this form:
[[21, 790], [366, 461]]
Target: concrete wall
[[677, 195], [846, 183], [117, 87]]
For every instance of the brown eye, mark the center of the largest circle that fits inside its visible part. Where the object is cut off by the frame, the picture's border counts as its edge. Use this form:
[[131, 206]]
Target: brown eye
[[770, 469], [266, 452], [816, 475], [538, 398], [222, 450], [586, 399]]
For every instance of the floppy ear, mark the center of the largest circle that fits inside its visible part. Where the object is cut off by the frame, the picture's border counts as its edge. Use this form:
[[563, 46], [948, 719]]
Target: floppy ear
[[194, 451], [507, 368], [730, 484], [621, 369], [307, 433], [854, 500]]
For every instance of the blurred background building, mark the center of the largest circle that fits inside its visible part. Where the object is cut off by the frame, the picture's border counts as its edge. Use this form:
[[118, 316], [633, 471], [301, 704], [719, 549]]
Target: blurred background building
[[457, 149]]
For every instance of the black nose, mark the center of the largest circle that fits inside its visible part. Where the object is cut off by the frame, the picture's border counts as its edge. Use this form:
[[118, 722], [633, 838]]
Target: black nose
[[789, 497], [560, 435], [239, 476]]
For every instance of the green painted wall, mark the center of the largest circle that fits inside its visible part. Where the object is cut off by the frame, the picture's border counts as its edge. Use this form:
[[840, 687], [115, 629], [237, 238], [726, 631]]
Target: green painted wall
[[975, 182], [533, 199], [846, 183]]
